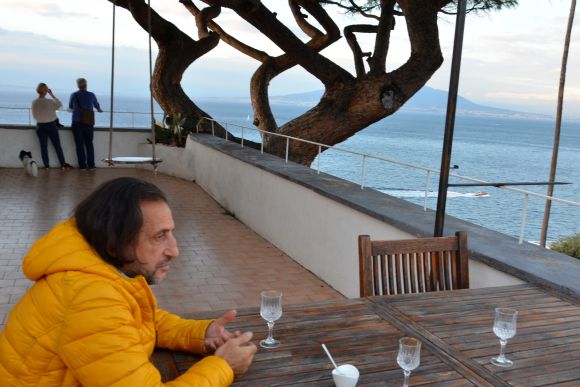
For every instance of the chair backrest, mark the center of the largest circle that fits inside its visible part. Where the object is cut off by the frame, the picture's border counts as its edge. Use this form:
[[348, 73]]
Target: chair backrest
[[413, 265]]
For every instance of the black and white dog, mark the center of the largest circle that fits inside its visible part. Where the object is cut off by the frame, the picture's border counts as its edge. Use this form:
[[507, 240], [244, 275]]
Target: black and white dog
[[28, 163]]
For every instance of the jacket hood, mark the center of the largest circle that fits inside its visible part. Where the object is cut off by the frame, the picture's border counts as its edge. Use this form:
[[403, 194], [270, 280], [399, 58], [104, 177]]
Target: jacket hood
[[64, 249]]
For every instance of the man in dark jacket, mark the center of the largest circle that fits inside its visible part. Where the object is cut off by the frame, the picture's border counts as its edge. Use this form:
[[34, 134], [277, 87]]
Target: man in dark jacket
[[82, 103]]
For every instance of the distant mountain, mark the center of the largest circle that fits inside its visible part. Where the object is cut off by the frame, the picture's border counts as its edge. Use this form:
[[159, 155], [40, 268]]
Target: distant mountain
[[426, 100], [309, 98]]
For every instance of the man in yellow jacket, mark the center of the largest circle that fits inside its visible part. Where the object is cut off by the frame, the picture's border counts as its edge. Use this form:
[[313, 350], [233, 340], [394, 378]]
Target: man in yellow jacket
[[91, 319]]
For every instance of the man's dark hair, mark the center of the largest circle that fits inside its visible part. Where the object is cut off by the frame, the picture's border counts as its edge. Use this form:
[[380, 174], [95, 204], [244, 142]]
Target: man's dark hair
[[110, 218]]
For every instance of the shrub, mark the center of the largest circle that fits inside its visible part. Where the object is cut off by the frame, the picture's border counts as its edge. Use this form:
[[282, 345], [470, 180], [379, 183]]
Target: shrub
[[569, 245], [174, 130]]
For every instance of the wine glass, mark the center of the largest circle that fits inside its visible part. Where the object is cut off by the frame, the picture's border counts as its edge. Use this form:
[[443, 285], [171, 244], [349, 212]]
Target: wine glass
[[271, 310], [504, 327], [409, 356]]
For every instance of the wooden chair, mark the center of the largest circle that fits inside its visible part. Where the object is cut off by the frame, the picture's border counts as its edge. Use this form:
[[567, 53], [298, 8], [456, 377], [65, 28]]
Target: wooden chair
[[413, 265]]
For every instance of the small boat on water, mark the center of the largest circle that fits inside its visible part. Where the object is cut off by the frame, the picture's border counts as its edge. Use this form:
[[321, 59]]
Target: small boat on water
[[481, 193]]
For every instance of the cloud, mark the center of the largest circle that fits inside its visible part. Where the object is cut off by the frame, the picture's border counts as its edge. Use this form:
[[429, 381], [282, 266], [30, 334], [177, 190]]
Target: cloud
[[44, 9], [519, 96]]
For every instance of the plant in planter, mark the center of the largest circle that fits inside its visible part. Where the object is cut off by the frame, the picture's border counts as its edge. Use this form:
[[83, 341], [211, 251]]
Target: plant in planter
[[174, 129], [569, 245]]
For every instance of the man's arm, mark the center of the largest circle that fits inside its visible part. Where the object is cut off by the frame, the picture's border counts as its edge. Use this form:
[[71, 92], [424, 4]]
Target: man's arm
[[205, 337], [102, 343], [96, 104], [70, 102], [178, 334]]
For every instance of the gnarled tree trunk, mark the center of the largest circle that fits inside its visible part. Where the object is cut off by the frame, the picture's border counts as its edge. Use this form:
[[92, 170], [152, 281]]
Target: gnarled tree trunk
[[177, 51]]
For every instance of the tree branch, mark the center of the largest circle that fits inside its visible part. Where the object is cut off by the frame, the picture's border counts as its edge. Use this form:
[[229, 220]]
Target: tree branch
[[480, 6], [202, 19], [272, 68], [166, 34], [359, 9], [332, 33], [355, 47], [423, 33], [300, 19], [353, 8], [252, 52], [255, 13], [350, 6], [447, 7], [377, 62]]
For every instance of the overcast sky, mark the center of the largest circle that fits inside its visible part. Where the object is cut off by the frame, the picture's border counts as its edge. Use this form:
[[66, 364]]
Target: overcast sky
[[511, 59]]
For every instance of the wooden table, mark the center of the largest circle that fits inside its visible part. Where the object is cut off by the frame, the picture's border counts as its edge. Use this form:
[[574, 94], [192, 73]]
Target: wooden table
[[454, 327]]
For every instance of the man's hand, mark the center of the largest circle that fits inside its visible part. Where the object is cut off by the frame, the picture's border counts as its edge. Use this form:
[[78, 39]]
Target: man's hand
[[99, 110], [238, 352], [217, 334]]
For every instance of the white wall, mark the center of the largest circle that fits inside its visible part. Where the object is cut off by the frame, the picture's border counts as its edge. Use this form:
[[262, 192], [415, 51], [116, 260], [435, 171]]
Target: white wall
[[175, 161], [316, 231], [12, 141]]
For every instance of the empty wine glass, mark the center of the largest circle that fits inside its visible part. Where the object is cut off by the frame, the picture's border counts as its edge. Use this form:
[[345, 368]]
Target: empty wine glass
[[409, 356], [271, 310], [504, 327]]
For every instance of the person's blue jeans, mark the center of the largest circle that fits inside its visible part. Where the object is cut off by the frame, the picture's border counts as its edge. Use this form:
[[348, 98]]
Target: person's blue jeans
[[83, 135], [45, 131]]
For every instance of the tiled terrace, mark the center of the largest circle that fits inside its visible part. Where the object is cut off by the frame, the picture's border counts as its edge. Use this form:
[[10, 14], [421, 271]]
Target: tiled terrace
[[223, 264]]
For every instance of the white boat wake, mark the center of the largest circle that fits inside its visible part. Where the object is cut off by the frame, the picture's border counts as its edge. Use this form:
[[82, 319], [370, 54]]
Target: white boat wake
[[404, 193]]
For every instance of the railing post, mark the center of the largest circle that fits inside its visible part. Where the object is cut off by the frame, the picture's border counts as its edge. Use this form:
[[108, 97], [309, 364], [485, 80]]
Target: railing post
[[133, 119], [242, 136], [30, 117], [262, 144], [212, 128], [287, 148], [362, 174], [318, 159], [523, 223], [226, 131], [427, 177]]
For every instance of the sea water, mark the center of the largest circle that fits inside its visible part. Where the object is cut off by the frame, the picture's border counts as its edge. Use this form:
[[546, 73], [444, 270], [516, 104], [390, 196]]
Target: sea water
[[488, 148]]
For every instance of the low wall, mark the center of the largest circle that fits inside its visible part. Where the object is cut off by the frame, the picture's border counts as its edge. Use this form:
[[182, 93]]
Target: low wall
[[284, 204], [13, 139], [175, 161]]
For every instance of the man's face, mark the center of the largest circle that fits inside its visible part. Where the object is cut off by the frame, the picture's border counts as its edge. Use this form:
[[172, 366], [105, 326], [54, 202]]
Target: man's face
[[155, 245]]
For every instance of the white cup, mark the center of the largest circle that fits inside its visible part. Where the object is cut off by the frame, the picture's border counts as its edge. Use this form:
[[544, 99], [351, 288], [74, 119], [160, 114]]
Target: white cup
[[345, 375]]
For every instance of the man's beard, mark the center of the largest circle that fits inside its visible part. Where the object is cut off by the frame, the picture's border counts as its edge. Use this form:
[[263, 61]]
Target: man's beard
[[148, 275]]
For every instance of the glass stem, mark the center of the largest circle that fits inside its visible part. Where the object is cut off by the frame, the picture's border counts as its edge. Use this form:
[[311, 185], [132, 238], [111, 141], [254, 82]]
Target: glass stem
[[407, 376], [270, 331], [502, 344]]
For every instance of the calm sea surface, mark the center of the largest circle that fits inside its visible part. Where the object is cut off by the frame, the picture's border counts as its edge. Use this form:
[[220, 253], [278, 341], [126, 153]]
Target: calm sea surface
[[492, 149]]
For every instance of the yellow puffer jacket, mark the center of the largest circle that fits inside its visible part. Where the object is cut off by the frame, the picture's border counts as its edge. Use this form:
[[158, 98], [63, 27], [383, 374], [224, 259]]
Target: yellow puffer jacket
[[83, 323]]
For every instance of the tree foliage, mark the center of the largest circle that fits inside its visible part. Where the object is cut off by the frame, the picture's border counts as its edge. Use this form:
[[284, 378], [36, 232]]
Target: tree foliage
[[569, 245], [366, 7], [350, 101]]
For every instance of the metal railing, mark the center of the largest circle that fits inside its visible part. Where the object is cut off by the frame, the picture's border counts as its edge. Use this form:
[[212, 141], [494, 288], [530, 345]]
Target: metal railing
[[364, 156], [133, 116]]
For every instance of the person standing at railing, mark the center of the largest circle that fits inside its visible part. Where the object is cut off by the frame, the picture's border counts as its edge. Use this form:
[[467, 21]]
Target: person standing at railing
[[44, 112], [82, 103]]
